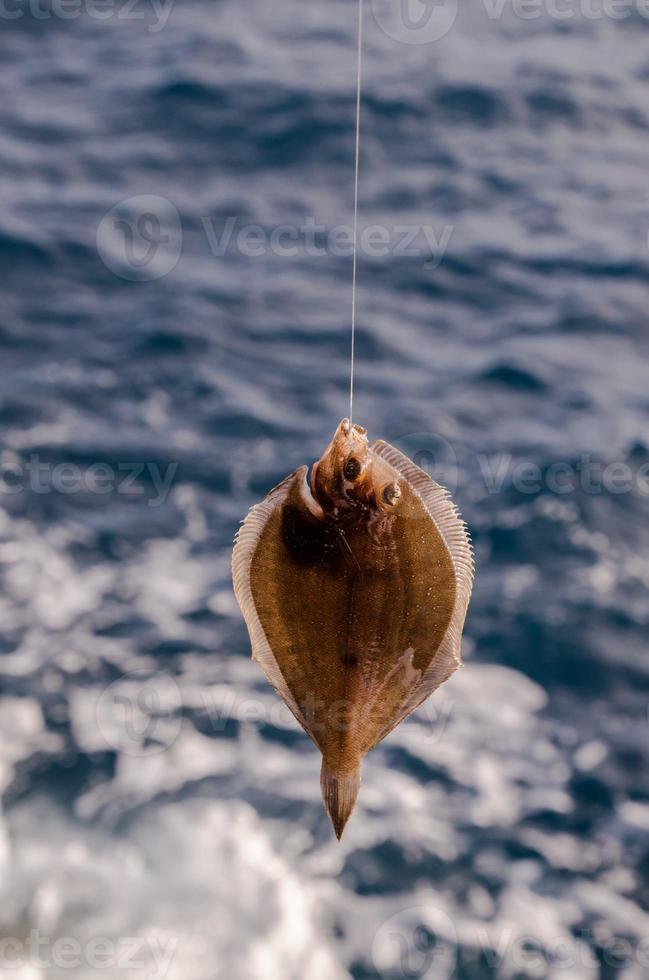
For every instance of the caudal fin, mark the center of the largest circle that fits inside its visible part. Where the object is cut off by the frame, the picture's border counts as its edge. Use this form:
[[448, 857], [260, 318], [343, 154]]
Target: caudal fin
[[339, 792]]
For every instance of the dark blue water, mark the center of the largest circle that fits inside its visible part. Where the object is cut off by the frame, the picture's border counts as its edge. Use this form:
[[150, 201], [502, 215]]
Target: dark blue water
[[174, 334]]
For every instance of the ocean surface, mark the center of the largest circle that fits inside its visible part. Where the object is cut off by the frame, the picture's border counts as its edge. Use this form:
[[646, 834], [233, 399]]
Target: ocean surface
[[176, 195]]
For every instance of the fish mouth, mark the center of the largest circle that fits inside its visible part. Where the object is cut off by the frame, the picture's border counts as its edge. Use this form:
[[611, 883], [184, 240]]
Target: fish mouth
[[332, 501], [327, 480], [346, 427]]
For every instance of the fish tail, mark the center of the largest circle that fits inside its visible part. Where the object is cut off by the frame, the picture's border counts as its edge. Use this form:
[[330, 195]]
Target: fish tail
[[339, 791]]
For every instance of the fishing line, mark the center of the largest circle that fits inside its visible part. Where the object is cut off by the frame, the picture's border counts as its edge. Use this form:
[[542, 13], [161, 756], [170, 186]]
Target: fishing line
[[359, 73]]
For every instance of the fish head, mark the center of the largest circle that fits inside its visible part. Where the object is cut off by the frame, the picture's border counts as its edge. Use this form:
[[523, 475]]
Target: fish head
[[349, 479]]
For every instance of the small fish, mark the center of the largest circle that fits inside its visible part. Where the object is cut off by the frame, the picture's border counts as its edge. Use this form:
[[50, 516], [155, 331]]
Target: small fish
[[354, 587]]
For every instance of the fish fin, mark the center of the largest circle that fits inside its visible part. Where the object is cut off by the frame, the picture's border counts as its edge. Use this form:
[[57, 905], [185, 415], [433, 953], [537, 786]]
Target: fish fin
[[339, 793], [437, 501], [245, 545]]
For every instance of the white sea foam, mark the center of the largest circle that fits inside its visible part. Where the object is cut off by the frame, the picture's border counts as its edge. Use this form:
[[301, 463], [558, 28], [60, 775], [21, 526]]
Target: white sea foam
[[191, 889]]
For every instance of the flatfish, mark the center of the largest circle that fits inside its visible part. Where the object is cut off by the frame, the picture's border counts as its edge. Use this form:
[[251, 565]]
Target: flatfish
[[354, 585]]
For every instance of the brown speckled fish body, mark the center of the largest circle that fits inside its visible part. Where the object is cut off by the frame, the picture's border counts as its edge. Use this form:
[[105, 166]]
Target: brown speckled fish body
[[354, 590]]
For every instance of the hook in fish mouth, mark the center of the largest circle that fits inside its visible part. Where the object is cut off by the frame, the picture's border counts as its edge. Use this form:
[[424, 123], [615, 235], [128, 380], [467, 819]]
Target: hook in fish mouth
[[346, 427]]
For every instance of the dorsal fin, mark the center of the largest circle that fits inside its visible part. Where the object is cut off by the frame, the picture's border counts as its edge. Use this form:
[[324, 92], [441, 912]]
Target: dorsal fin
[[444, 513], [245, 545]]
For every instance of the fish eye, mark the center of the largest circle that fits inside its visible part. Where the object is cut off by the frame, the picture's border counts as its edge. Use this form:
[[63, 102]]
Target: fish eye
[[352, 469], [391, 493]]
